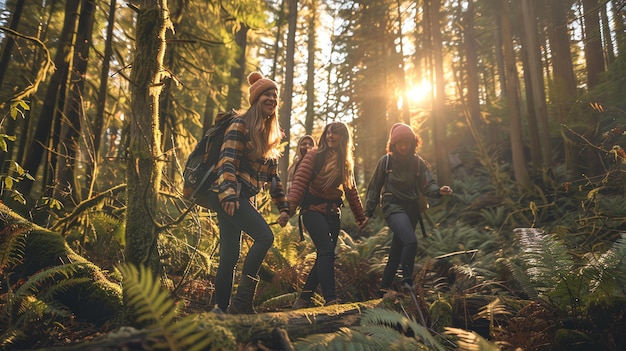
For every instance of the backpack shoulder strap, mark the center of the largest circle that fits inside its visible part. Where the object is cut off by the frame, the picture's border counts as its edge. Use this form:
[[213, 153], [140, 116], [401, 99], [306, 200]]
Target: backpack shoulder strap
[[317, 165], [417, 162], [387, 164]]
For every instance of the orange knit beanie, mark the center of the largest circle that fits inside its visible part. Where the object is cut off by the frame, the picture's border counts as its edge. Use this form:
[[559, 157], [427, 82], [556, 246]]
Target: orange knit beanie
[[258, 85]]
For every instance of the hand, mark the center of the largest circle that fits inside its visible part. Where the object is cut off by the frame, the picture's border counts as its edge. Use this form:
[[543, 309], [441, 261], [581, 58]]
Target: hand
[[230, 207], [363, 224], [283, 219], [445, 190]]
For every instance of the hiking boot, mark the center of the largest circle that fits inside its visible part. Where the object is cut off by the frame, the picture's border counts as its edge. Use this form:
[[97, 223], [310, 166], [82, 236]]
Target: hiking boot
[[217, 310], [242, 302], [332, 302]]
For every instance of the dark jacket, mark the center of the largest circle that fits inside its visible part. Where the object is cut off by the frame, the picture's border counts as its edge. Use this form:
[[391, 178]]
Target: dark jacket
[[397, 185]]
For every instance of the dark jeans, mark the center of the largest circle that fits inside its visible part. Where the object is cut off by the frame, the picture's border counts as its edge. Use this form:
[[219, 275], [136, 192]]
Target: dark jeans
[[246, 219], [402, 251], [324, 230]]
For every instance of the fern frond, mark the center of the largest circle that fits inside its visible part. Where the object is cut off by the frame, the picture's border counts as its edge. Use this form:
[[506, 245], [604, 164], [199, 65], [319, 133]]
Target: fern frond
[[51, 281], [471, 341], [393, 319], [547, 259], [150, 301], [519, 276], [344, 339], [152, 305]]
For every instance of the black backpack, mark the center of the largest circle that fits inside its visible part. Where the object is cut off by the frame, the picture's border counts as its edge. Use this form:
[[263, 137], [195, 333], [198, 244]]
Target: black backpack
[[200, 171]]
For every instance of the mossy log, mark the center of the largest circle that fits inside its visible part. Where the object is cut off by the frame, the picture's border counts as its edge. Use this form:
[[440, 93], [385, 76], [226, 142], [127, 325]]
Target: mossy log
[[273, 330], [27, 249]]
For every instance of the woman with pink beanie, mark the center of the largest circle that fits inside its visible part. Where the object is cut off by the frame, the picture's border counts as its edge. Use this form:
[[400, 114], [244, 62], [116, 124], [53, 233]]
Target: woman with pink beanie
[[399, 179]]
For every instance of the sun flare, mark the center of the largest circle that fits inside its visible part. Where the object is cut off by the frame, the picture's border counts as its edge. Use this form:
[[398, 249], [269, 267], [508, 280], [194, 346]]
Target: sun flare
[[418, 93]]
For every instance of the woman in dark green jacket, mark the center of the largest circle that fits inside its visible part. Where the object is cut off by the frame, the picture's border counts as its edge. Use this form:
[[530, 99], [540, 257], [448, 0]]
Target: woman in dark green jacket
[[401, 176]]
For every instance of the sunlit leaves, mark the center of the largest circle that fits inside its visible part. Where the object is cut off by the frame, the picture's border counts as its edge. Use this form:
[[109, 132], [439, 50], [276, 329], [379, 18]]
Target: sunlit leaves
[[18, 107]]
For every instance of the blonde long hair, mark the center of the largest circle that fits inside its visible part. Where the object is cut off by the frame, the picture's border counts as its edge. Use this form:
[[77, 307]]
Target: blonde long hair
[[345, 151], [263, 132]]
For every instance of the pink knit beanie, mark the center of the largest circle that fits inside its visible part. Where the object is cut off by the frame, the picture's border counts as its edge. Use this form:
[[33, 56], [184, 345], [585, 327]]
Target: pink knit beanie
[[401, 131], [258, 85]]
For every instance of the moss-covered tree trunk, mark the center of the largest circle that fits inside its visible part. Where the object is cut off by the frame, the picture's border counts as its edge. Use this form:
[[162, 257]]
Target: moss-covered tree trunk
[[144, 151], [28, 251]]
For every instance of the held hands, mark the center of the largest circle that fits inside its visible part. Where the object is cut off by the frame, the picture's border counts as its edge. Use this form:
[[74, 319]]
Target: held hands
[[363, 224], [283, 218], [445, 190]]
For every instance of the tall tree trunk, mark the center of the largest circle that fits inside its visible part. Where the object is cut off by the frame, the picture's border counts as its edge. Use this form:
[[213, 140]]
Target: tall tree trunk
[[563, 89], [287, 89], [531, 114], [144, 165], [440, 118], [71, 124], [535, 80], [609, 51], [592, 43], [619, 18], [513, 99], [310, 80], [594, 59], [170, 122], [238, 71], [400, 75], [5, 58], [472, 100], [46, 133], [279, 37], [372, 100], [91, 169]]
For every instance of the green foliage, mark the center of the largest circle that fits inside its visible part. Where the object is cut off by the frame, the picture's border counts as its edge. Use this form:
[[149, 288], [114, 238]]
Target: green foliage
[[569, 283], [15, 174], [32, 311], [360, 264], [471, 341], [380, 329], [152, 307]]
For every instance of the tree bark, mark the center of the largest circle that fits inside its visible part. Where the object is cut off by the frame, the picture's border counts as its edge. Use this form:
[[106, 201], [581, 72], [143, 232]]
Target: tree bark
[[5, 58], [563, 88], [513, 99], [471, 69], [592, 43], [144, 165], [47, 131], [73, 113], [310, 81], [287, 88], [98, 120], [537, 88], [440, 118]]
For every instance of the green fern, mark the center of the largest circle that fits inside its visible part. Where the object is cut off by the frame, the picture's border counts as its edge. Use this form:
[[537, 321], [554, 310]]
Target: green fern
[[32, 309], [519, 276], [385, 318], [471, 341], [152, 306], [569, 283], [343, 340], [380, 329]]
